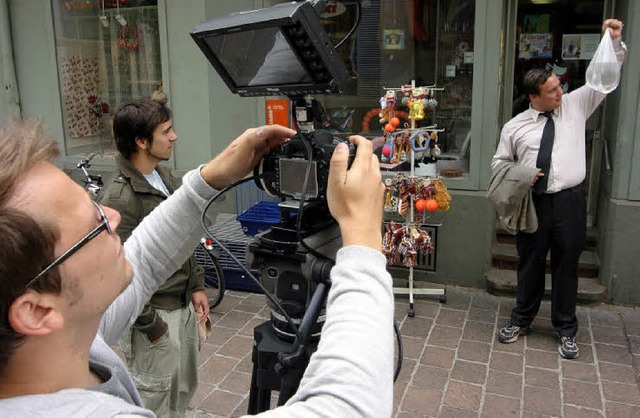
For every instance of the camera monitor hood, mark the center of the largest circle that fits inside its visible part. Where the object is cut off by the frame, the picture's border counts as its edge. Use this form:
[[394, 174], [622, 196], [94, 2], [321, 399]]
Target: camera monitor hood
[[281, 50]]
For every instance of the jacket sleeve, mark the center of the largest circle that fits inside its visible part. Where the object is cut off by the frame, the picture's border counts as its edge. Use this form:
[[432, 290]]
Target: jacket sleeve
[[150, 323], [198, 275]]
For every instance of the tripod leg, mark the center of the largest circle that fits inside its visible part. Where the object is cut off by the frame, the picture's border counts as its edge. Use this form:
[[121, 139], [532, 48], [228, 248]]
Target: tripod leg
[[259, 399]]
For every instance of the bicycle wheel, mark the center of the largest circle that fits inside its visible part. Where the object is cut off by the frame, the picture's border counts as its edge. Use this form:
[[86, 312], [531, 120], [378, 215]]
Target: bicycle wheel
[[214, 282]]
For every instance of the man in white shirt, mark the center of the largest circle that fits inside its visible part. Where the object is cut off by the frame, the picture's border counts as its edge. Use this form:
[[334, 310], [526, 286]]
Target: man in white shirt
[[559, 196]]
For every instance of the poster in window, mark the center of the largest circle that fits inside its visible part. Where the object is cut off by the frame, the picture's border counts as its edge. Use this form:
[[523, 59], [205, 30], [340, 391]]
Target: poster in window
[[535, 45], [393, 39], [579, 46]]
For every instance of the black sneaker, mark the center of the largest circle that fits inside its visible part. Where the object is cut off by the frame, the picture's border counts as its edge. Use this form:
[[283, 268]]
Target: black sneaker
[[510, 333], [568, 348]]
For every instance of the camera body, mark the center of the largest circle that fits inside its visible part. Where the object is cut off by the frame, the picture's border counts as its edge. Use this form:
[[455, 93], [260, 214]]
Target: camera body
[[282, 172]]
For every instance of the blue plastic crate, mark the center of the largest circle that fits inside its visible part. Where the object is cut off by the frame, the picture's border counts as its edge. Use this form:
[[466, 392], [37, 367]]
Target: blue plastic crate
[[234, 279], [259, 217]]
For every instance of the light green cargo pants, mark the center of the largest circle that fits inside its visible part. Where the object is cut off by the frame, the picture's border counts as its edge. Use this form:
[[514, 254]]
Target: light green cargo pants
[[165, 374]]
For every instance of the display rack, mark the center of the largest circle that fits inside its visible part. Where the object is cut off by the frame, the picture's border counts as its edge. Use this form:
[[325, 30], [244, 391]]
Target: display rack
[[416, 140]]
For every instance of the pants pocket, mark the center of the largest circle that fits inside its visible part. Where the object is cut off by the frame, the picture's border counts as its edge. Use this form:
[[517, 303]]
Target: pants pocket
[[154, 391]]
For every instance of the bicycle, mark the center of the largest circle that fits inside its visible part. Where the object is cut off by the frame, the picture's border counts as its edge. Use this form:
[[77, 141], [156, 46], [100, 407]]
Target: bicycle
[[214, 275], [92, 183]]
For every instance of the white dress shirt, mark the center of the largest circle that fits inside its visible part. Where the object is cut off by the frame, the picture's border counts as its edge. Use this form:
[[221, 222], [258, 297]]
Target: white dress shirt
[[520, 137]]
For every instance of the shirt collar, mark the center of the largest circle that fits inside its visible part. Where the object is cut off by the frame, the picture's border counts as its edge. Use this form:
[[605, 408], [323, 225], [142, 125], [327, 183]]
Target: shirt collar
[[536, 114]]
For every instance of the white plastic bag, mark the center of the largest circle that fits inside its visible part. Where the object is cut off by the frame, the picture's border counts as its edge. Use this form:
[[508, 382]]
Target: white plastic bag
[[603, 73]]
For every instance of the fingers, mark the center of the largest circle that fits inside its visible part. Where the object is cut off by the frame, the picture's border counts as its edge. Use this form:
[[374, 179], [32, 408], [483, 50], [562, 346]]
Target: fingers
[[339, 162], [615, 27], [364, 151]]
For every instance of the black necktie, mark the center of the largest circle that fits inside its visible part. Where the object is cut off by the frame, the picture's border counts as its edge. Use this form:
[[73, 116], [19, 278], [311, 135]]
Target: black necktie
[[544, 154]]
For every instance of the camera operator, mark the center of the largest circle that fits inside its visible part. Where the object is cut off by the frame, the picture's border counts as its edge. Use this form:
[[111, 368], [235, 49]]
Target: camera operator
[[67, 293]]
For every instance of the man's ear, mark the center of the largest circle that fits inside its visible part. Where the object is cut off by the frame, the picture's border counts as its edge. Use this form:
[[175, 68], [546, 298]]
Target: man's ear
[[142, 143], [34, 314]]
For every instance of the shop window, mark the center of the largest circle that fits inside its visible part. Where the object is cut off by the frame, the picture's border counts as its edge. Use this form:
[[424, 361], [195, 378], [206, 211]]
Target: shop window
[[108, 52], [397, 42]]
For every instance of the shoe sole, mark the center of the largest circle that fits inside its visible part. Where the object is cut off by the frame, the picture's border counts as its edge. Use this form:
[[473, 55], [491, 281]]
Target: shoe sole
[[523, 331]]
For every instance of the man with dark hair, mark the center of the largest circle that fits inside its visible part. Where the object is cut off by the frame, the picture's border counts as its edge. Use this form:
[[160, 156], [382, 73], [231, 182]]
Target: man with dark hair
[[161, 348], [70, 288], [550, 136]]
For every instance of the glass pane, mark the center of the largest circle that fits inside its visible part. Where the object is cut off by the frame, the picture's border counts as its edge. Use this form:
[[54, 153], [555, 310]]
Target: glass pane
[[397, 42], [106, 56]]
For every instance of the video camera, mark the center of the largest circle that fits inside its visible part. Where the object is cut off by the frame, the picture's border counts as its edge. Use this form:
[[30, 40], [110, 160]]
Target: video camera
[[284, 50]]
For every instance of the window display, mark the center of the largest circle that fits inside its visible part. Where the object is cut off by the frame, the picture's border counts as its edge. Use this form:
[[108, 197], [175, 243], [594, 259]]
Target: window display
[[108, 53]]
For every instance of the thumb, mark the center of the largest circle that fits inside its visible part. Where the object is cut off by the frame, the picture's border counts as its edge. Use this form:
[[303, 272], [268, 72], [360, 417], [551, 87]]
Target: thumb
[[339, 163]]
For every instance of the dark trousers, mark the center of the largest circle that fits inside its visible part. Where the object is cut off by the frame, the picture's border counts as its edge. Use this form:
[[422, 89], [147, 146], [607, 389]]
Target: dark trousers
[[561, 228]]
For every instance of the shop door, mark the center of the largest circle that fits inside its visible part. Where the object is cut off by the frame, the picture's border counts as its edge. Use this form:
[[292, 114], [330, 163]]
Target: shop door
[[559, 35]]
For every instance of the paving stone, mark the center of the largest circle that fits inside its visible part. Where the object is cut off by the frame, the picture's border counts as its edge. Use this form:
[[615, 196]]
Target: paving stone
[[581, 394], [474, 351], [617, 372], [463, 395], [237, 346], [444, 336], [500, 406], [421, 401], [502, 383], [542, 378], [236, 382], [426, 308], [469, 372], [613, 354], [235, 320], [542, 359], [430, 377], [482, 315], [620, 410], [609, 335], [507, 362], [542, 401], [438, 356], [221, 402], [220, 335], [399, 388], [580, 371], [621, 392], [516, 347], [631, 320], [458, 301], [451, 317], [571, 411], [216, 369], [478, 331], [412, 347], [408, 367], [416, 327], [544, 341], [604, 318], [449, 412]]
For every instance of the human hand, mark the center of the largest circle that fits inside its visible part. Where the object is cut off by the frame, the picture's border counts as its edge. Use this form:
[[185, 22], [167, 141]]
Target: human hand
[[199, 299], [615, 27], [535, 179], [355, 196], [243, 154]]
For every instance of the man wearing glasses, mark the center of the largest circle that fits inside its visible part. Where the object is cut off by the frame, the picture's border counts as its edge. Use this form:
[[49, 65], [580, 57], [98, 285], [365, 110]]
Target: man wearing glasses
[[70, 288]]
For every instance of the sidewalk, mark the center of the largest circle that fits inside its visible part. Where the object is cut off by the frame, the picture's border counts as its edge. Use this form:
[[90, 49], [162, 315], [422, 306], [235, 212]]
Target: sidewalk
[[453, 365]]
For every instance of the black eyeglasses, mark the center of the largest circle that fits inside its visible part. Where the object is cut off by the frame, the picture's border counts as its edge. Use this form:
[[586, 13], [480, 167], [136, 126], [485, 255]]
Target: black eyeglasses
[[104, 224]]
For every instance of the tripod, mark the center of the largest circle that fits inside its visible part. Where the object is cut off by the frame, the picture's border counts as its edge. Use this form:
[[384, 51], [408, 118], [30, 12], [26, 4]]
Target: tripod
[[279, 364]]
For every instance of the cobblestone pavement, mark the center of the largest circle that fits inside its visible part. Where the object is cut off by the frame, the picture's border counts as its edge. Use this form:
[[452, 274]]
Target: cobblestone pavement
[[453, 366]]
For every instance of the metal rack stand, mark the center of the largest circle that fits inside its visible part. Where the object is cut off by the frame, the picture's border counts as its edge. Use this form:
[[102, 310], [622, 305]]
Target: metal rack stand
[[410, 290]]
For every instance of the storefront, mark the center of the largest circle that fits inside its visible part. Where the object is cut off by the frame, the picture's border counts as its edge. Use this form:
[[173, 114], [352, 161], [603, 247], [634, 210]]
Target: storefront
[[76, 61]]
